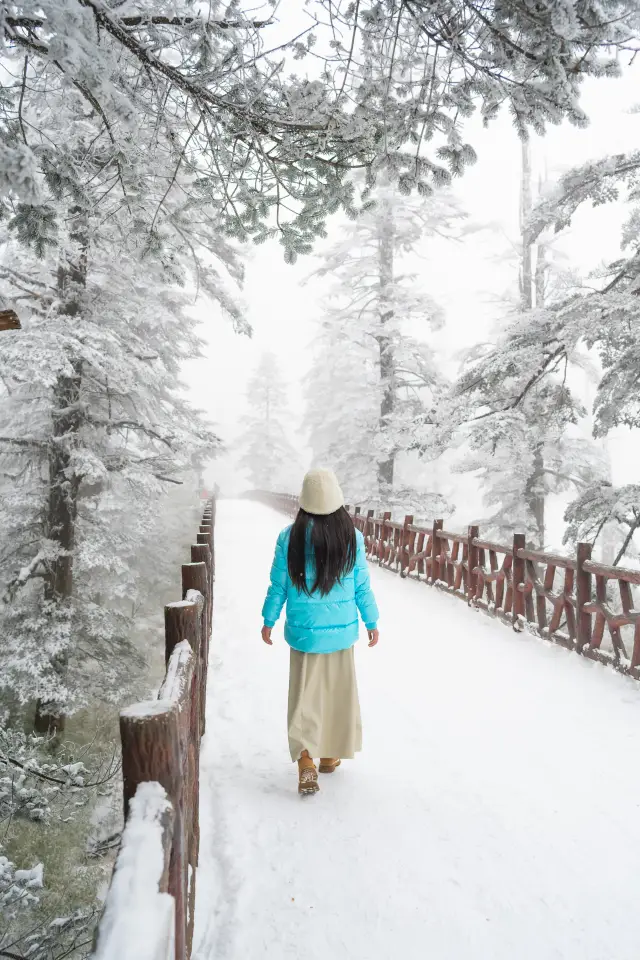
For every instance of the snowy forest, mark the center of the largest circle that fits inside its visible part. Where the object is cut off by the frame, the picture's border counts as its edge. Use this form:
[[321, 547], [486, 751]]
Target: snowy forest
[[396, 238]]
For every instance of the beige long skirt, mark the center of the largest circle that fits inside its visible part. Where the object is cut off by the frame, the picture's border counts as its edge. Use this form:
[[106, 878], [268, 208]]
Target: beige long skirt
[[324, 710]]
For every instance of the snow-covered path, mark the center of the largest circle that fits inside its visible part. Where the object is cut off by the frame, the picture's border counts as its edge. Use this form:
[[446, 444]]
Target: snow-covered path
[[493, 815]]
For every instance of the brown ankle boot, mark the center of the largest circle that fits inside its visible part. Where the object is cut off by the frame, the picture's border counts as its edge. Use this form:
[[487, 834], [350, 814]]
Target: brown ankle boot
[[328, 765], [307, 776]]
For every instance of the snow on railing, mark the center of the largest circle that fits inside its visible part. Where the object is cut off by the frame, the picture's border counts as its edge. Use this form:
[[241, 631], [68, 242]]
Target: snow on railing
[[572, 601], [149, 909]]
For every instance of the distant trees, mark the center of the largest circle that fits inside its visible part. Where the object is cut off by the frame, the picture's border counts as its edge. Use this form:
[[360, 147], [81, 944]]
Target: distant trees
[[267, 455]]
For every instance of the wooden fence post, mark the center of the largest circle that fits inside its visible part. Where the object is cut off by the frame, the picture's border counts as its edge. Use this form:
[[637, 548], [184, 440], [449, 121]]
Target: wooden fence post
[[194, 577], [404, 543], [209, 518], [201, 553], [182, 622], [435, 550], [383, 534], [151, 751], [195, 597], [369, 530], [206, 530], [472, 563], [583, 596], [519, 577]]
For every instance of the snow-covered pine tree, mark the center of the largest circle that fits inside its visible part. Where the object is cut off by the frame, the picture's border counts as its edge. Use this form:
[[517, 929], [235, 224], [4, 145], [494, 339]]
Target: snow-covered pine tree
[[266, 453], [520, 441], [607, 321], [81, 483], [93, 422], [374, 372]]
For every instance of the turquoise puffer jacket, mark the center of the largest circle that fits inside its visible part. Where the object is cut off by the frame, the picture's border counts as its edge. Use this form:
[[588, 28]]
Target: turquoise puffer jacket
[[317, 624]]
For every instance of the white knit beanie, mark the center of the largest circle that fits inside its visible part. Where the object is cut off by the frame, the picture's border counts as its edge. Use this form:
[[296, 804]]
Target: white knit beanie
[[321, 493]]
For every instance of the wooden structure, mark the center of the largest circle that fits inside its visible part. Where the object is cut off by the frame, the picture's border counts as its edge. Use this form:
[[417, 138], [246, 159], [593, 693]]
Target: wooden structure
[[9, 320], [573, 601], [149, 910]]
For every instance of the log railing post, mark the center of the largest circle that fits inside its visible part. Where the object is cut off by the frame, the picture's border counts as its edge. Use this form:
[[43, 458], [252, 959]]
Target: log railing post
[[201, 553], [472, 563], [206, 528], [369, 530], [182, 622], [194, 577], [404, 543], [150, 738], [519, 577], [196, 597], [435, 550], [382, 546], [583, 596]]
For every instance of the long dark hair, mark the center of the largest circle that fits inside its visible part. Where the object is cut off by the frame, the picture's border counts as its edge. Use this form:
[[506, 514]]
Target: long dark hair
[[333, 542]]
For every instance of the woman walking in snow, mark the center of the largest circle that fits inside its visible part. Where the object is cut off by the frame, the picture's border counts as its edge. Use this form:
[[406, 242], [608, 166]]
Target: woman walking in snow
[[320, 571]]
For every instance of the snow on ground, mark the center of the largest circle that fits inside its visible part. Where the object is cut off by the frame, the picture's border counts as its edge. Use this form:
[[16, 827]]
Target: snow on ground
[[493, 815]]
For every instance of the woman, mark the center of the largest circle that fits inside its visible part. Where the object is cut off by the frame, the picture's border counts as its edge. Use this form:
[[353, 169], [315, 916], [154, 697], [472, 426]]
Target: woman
[[320, 571]]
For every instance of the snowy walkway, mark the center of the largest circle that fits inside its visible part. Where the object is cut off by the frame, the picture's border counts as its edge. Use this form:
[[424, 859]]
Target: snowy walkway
[[494, 813]]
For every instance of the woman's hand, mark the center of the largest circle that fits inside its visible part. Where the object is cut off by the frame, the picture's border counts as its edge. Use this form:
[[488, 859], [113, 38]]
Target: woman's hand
[[266, 635], [374, 636]]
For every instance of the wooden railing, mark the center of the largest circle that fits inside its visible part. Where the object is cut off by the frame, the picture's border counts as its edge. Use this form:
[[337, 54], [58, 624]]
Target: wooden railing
[[149, 909], [573, 601]]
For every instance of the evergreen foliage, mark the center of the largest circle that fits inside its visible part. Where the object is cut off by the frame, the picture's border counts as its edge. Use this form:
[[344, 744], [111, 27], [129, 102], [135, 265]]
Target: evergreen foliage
[[374, 374]]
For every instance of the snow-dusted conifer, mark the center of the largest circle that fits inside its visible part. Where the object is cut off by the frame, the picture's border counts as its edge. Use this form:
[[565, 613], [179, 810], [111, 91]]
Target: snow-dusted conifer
[[374, 373], [267, 454], [606, 321], [93, 422], [521, 439]]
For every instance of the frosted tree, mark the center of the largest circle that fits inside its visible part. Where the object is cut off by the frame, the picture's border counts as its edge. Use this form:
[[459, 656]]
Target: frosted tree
[[372, 378], [267, 454], [264, 139], [521, 440], [89, 440], [607, 321], [94, 422]]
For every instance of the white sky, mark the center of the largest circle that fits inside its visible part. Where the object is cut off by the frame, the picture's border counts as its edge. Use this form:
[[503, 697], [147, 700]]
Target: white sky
[[464, 277]]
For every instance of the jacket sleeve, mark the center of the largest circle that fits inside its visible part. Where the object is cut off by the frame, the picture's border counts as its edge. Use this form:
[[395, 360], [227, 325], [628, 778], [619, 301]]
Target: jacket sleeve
[[277, 592], [364, 594]]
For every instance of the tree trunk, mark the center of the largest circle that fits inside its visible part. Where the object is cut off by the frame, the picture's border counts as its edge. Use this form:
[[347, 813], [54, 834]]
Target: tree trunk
[[386, 461], [532, 288], [526, 266], [62, 505], [535, 496]]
